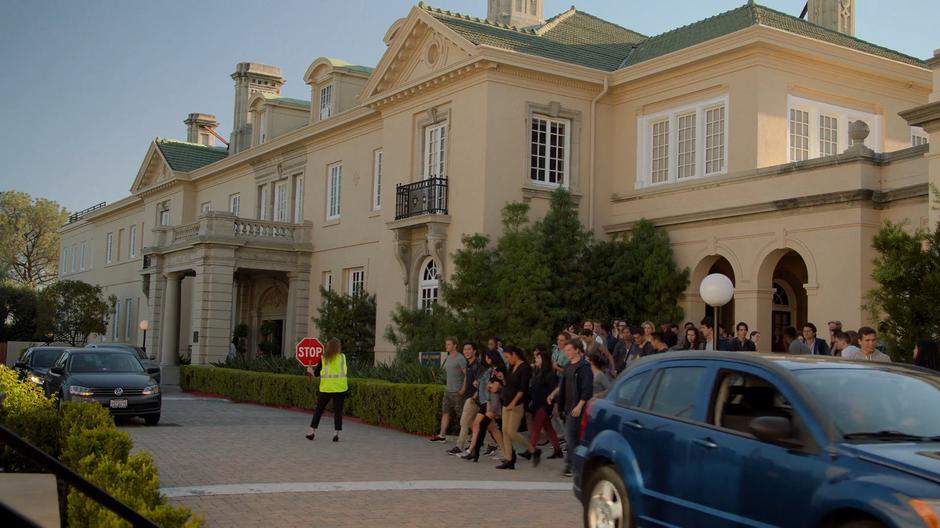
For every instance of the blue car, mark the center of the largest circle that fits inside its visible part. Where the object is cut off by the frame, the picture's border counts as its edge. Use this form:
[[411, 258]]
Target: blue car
[[716, 439]]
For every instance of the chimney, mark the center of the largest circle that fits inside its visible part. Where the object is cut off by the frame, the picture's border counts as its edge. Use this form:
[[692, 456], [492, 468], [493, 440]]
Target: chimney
[[837, 15], [250, 78], [519, 13], [198, 126]]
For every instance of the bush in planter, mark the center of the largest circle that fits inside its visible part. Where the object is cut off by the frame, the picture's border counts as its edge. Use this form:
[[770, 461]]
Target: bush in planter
[[93, 447], [29, 413]]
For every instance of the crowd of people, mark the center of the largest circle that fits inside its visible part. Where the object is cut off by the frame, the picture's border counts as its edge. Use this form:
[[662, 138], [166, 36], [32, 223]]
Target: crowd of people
[[498, 393]]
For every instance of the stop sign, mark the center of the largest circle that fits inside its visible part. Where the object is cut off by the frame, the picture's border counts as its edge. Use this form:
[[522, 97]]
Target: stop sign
[[309, 351]]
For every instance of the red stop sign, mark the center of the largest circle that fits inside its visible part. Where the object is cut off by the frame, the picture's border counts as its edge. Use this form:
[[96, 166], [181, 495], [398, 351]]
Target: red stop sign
[[309, 351]]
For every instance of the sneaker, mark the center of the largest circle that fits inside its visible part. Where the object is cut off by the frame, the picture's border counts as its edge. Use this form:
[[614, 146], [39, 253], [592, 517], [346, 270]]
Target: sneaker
[[525, 454], [490, 449], [566, 472], [557, 454], [497, 455], [437, 438], [455, 451], [543, 443]]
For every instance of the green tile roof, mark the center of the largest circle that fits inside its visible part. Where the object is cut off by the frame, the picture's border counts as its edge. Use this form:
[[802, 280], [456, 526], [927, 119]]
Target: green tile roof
[[752, 14], [287, 101], [574, 37], [186, 157], [580, 38], [357, 68]]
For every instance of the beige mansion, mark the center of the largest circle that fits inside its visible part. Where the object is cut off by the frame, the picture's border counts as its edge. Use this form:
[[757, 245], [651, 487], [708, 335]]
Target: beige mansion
[[734, 134]]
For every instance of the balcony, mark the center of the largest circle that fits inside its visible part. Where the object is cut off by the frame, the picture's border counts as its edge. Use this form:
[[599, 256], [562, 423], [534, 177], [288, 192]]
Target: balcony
[[228, 229], [425, 197]]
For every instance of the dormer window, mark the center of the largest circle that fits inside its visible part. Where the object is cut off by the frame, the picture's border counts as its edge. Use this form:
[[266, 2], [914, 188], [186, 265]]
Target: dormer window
[[326, 102]]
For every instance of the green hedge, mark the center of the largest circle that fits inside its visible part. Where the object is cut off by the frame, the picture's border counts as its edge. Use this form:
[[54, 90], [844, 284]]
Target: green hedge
[[83, 436], [410, 407]]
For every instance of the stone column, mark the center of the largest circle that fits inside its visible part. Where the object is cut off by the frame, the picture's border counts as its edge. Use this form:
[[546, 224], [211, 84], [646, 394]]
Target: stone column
[[298, 310], [212, 309], [169, 357], [755, 308], [155, 316]]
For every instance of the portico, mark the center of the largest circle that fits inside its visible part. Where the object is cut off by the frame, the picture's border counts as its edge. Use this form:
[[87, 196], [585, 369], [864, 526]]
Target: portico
[[198, 276]]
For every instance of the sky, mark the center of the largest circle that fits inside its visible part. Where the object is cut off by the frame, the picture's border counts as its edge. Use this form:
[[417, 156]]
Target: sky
[[87, 85]]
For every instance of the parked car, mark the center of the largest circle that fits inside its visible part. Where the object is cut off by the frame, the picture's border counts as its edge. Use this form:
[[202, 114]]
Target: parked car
[[716, 439], [113, 378], [146, 361], [35, 362]]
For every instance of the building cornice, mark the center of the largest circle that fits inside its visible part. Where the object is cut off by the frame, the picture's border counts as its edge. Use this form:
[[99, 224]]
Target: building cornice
[[926, 116], [879, 199]]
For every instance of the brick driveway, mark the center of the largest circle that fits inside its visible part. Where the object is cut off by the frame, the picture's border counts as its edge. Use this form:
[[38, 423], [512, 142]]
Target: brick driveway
[[209, 442]]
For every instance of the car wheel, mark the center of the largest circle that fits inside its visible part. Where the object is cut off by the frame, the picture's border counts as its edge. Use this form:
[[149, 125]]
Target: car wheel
[[152, 419], [606, 505]]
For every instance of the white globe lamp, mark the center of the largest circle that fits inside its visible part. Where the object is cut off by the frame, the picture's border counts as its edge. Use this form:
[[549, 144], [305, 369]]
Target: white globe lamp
[[716, 290]]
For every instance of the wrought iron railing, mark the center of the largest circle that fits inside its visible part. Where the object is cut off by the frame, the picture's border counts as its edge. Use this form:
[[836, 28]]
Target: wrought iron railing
[[420, 198], [75, 217]]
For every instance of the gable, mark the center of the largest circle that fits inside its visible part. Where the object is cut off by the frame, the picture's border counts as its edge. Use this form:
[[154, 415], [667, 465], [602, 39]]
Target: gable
[[153, 170], [420, 48]]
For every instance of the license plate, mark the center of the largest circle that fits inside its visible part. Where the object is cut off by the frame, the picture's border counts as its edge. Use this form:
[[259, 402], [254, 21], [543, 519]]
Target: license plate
[[119, 404]]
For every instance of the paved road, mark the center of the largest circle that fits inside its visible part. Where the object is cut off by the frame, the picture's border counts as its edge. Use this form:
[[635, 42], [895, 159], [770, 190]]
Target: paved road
[[248, 465]]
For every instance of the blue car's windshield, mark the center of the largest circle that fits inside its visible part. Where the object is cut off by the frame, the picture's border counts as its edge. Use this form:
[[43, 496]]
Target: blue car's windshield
[[871, 402], [104, 362]]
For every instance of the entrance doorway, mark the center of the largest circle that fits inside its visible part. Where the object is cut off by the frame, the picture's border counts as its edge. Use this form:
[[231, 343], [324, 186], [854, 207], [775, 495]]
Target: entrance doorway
[[271, 337], [789, 300]]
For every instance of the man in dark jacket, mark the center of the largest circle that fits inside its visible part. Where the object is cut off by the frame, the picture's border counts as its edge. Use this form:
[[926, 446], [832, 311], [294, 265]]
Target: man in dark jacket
[[576, 388], [816, 346]]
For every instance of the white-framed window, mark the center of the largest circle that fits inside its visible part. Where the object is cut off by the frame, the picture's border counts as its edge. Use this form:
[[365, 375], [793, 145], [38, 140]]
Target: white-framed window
[[264, 199], [128, 317], [163, 214], [828, 135], [235, 204], [116, 322], [799, 134], [328, 281], [819, 129], [681, 143], [262, 127], [64, 261], [326, 101], [357, 281], [298, 198], [109, 248], [549, 150], [334, 188], [205, 207], [435, 151], [132, 251], [81, 262], [377, 180], [281, 203], [74, 258], [919, 137], [429, 286]]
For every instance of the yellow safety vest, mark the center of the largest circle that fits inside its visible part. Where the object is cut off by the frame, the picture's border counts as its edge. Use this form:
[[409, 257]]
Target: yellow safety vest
[[333, 375]]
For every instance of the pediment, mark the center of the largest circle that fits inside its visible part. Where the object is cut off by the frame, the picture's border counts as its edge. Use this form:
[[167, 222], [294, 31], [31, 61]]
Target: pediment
[[153, 170], [420, 48]]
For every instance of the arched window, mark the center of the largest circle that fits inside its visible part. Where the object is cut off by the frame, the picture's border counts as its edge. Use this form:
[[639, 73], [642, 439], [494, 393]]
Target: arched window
[[781, 298], [430, 285]]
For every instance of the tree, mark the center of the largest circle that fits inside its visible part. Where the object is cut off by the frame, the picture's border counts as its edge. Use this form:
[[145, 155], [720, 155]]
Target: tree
[[17, 313], [907, 273], [564, 244], [415, 330], [351, 319], [29, 238], [470, 293], [72, 310]]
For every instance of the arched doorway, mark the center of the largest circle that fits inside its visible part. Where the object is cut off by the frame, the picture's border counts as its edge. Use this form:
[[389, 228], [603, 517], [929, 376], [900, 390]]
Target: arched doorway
[[789, 298], [726, 314]]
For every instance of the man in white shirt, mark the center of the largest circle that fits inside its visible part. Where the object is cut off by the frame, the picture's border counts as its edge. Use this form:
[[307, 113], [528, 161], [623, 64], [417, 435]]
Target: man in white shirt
[[868, 338]]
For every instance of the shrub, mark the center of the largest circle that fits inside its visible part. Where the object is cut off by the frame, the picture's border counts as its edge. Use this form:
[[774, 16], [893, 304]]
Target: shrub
[[397, 372], [410, 407], [351, 319], [29, 413]]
